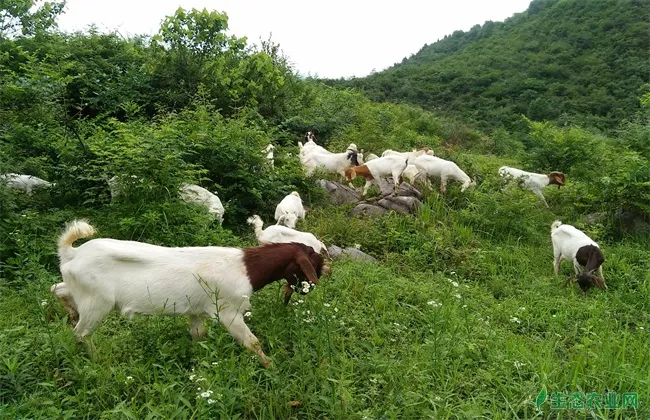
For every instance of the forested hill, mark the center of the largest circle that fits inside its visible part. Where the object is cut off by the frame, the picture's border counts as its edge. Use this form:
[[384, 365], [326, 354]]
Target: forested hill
[[569, 61]]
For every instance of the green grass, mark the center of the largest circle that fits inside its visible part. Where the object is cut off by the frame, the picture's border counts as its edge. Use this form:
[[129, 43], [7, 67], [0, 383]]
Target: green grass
[[461, 318]]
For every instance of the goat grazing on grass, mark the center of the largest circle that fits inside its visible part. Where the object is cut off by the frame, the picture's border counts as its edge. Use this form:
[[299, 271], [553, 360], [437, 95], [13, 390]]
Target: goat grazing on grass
[[289, 210], [532, 181], [380, 168], [428, 166], [330, 162], [573, 245], [411, 173], [25, 183], [194, 194], [199, 282]]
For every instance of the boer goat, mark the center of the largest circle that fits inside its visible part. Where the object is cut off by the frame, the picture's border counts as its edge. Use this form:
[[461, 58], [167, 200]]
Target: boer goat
[[380, 168], [532, 181], [429, 166], [573, 245], [201, 282]]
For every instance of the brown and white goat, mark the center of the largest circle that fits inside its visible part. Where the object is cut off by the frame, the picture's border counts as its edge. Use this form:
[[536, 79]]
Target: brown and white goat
[[201, 282]]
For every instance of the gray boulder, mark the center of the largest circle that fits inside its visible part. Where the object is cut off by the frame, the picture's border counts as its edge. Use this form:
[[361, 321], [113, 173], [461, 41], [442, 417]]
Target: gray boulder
[[367, 209], [339, 193], [337, 253], [404, 205]]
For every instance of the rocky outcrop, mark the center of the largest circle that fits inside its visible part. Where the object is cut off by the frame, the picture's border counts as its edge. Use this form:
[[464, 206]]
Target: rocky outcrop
[[338, 253]]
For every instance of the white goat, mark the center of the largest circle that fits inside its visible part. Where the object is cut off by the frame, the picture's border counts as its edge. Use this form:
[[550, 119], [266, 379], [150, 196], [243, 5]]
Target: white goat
[[194, 194], [289, 210], [269, 154], [380, 168], [200, 282], [274, 234], [25, 183], [371, 156], [330, 162], [532, 181], [571, 244], [412, 154], [430, 166]]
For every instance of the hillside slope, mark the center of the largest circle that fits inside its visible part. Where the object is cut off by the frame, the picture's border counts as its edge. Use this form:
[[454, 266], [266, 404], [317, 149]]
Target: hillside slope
[[570, 61]]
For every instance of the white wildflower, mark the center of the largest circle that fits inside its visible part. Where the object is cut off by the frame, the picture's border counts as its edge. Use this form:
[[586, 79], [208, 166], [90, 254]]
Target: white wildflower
[[327, 305], [211, 401], [396, 324], [300, 301], [515, 319], [458, 296], [464, 306], [129, 379], [453, 273], [453, 283], [192, 377], [641, 328], [336, 309], [206, 394], [357, 246], [215, 363], [248, 314], [518, 364], [44, 302], [554, 316]]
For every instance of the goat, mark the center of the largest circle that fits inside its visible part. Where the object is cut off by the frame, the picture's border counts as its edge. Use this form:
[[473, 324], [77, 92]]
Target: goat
[[532, 181], [200, 282], [289, 210], [371, 156], [269, 154], [330, 162], [194, 194], [571, 244], [380, 168], [25, 183], [411, 173], [413, 154], [428, 166]]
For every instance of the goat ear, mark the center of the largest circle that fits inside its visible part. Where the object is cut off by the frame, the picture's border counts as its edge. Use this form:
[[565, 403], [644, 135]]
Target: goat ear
[[598, 282], [307, 268]]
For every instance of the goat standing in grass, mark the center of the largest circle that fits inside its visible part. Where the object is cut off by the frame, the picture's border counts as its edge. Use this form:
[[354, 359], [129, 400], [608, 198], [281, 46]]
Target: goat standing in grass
[[26, 183], [532, 181], [429, 166], [200, 282], [573, 245], [289, 210], [380, 168]]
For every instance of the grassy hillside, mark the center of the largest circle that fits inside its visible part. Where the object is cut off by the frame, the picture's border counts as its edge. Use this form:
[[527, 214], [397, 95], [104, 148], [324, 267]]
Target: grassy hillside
[[460, 317], [570, 61]]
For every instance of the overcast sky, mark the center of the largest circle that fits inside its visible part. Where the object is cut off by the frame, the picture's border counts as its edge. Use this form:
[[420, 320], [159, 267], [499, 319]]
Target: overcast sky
[[335, 38]]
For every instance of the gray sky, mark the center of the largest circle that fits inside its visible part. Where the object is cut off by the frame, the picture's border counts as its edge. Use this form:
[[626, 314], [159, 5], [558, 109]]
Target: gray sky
[[329, 39]]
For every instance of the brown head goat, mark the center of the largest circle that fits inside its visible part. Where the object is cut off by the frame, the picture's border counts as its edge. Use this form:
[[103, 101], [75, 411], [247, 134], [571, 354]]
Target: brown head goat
[[574, 245], [200, 282]]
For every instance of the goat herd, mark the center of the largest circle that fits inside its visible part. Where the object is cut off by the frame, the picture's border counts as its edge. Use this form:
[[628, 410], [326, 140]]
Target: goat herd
[[216, 282]]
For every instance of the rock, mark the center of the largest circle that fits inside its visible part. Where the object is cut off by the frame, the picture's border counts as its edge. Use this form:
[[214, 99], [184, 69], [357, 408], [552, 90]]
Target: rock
[[335, 252], [405, 205], [404, 189], [367, 209], [633, 223], [352, 253], [339, 194]]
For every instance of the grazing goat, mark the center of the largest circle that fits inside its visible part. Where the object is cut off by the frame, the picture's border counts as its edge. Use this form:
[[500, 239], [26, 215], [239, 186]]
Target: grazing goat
[[194, 194], [532, 181], [330, 162], [199, 282], [371, 156], [573, 245], [380, 168], [444, 169], [281, 234], [289, 210], [25, 183], [411, 173], [269, 154], [412, 154]]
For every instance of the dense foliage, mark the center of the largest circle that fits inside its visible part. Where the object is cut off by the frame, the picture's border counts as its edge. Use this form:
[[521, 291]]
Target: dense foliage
[[569, 61], [461, 317]]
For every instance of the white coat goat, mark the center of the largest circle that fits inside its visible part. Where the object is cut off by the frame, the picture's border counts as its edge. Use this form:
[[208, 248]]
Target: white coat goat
[[429, 166], [105, 274], [572, 244], [331, 162], [377, 169], [532, 181], [274, 234], [25, 183], [289, 210], [194, 194]]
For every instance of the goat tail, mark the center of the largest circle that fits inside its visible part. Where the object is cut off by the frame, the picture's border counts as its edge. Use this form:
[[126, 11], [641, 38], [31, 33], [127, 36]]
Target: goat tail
[[74, 230], [257, 223], [556, 224]]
